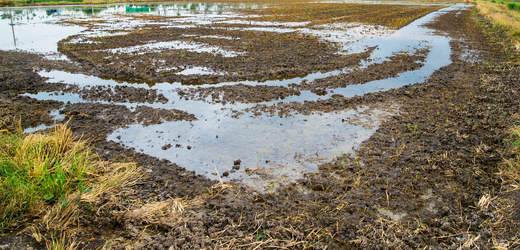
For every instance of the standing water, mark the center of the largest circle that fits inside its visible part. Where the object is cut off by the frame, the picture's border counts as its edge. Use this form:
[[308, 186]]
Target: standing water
[[271, 149]]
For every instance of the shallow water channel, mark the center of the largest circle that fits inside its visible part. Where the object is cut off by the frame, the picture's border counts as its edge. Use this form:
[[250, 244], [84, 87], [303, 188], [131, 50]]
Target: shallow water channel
[[272, 149]]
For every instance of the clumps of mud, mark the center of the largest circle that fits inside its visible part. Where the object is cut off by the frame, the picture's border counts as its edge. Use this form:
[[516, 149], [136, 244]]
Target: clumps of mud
[[17, 76], [420, 181], [336, 102], [98, 120], [238, 93], [258, 55], [117, 94], [395, 16], [396, 64], [426, 178], [24, 112], [16, 73]]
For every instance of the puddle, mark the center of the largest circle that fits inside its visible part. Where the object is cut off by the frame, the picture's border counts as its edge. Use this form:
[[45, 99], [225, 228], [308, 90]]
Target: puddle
[[198, 70], [56, 116], [178, 45], [24, 33], [271, 149], [36, 29], [37, 128]]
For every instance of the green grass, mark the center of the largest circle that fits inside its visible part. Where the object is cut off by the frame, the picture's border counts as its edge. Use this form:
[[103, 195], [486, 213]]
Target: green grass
[[513, 6], [39, 169]]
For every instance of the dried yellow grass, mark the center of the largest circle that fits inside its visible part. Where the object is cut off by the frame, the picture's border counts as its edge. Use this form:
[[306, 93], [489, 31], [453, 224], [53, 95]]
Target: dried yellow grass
[[84, 180], [502, 17], [157, 212], [510, 169], [61, 242], [112, 177]]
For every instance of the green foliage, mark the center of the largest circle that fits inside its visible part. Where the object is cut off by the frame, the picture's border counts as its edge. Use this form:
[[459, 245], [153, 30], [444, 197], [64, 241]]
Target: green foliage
[[412, 128], [38, 169], [513, 6]]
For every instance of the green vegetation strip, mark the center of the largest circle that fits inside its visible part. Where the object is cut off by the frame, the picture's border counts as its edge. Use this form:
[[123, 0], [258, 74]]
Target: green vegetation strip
[[512, 167], [513, 6]]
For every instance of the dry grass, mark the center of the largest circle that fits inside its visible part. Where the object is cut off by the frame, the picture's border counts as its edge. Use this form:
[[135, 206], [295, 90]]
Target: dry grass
[[61, 242], [162, 212], [502, 18], [502, 206], [39, 168], [45, 177], [510, 170], [110, 178]]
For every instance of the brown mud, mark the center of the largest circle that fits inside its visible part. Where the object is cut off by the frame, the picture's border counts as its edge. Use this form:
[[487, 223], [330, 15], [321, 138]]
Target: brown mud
[[268, 55], [418, 182], [260, 93], [395, 16], [291, 55]]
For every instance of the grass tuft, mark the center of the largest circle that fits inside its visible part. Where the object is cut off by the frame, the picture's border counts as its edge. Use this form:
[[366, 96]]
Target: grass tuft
[[61, 243], [46, 178], [38, 169]]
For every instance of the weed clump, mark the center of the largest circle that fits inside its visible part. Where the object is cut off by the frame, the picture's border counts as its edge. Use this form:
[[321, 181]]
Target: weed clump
[[43, 178], [38, 169]]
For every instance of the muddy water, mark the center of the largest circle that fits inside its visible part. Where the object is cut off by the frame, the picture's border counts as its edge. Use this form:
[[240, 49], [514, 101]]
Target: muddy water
[[271, 149]]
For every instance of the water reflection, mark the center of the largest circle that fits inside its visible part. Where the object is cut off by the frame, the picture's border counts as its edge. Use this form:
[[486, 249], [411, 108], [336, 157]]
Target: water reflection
[[12, 28], [36, 29], [269, 147]]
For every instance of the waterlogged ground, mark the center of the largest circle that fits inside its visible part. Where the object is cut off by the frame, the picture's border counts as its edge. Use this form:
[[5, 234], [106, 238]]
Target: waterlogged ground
[[250, 57], [295, 125]]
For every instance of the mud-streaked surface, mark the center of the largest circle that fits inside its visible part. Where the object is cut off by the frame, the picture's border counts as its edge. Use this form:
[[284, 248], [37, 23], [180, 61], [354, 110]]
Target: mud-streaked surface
[[323, 128], [248, 63]]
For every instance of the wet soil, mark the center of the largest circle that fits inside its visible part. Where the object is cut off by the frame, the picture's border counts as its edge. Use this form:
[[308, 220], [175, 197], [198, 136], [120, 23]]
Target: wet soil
[[243, 54], [415, 183], [117, 94], [292, 54], [395, 65], [395, 16], [17, 76]]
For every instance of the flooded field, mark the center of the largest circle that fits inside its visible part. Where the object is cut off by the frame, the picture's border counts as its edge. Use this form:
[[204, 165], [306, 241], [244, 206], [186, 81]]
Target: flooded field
[[218, 62], [294, 125]]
